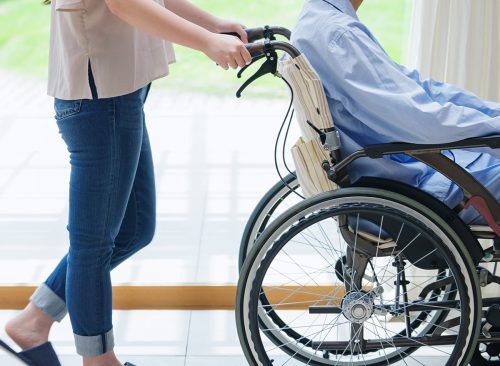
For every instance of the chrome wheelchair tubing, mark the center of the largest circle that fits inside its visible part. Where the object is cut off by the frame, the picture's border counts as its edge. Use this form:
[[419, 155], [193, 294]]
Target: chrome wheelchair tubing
[[379, 344]]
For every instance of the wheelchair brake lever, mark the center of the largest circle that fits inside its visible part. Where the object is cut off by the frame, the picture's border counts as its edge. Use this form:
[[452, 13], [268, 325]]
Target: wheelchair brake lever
[[270, 66], [254, 60]]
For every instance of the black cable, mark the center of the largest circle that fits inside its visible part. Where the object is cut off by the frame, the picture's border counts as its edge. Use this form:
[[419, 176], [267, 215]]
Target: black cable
[[284, 144], [277, 142]]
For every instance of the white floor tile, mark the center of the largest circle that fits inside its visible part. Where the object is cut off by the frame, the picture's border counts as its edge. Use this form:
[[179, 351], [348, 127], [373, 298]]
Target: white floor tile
[[136, 360], [213, 333], [138, 332], [151, 332], [153, 360], [11, 361], [215, 361]]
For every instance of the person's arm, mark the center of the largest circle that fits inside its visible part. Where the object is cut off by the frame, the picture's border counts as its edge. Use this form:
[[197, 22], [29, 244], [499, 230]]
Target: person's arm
[[358, 73], [186, 10], [445, 92], [155, 19]]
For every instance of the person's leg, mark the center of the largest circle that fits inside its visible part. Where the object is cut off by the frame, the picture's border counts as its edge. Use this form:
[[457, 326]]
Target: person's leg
[[486, 170], [96, 212], [138, 225], [31, 327]]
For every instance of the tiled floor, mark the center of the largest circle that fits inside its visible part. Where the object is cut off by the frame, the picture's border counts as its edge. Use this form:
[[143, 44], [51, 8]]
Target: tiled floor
[[167, 338], [170, 338]]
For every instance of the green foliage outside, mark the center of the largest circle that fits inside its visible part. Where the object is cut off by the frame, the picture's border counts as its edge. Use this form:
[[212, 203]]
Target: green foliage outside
[[24, 33]]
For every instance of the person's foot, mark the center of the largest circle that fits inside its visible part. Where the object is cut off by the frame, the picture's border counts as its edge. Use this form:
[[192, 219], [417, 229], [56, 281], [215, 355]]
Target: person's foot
[[29, 328], [106, 359]]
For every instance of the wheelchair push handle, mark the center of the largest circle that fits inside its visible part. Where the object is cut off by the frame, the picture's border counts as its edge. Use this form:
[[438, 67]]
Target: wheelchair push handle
[[255, 49], [265, 50], [258, 49], [255, 34], [270, 44]]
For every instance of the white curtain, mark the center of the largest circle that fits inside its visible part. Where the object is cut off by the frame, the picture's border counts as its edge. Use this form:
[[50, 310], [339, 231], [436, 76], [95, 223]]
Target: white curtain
[[458, 41]]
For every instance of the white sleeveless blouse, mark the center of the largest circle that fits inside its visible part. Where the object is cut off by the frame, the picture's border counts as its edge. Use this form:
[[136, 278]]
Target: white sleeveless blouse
[[123, 58]]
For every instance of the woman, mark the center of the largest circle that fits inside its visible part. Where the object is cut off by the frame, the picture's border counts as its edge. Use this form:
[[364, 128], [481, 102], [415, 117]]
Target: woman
[[103, 57]]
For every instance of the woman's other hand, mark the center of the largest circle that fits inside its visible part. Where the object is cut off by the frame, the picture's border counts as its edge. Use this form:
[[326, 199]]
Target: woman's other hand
[[227, 51], [228, 26]]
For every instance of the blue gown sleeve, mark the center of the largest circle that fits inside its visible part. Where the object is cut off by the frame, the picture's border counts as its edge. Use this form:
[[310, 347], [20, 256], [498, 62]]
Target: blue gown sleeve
[[445, 92], [358, 73]]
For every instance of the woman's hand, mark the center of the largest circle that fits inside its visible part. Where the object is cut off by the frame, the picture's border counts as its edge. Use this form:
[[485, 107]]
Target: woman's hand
[[227, 26], [227, 51]]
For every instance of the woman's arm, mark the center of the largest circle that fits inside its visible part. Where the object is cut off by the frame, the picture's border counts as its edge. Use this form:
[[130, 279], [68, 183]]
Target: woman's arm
[[186, 10], [155, 19]]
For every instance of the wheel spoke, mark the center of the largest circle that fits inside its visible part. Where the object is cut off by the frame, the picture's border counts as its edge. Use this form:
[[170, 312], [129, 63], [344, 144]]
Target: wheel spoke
[[372, 314]]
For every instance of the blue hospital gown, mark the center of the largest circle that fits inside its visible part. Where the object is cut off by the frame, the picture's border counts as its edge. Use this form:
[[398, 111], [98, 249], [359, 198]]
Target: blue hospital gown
[[375, 100]]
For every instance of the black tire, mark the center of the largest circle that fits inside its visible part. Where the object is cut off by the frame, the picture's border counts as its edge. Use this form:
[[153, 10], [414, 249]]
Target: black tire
[[268, 208], [271, 205], [275, 237]]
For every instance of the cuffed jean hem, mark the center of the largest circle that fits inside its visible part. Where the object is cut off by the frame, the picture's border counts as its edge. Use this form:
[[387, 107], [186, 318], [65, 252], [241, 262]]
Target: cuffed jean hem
[[92, 346], [46, 300]]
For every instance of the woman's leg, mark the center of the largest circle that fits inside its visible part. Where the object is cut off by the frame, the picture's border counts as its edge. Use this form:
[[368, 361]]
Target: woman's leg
[[105, 148], [31, 326], [97, 204]]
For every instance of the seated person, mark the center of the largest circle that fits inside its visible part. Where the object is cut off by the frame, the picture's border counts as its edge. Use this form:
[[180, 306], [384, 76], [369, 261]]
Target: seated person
[[374, 100]]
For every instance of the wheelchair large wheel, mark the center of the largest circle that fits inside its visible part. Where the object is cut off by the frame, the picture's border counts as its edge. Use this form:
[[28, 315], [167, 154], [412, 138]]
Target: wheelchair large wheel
[[276, 201], [407, 294]]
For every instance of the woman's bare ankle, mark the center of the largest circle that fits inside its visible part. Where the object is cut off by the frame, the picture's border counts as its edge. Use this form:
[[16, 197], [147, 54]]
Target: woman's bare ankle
[[107, 359], [29, 328]]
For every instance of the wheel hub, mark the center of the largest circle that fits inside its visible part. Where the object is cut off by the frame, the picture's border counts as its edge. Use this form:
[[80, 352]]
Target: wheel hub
[[357, 306]]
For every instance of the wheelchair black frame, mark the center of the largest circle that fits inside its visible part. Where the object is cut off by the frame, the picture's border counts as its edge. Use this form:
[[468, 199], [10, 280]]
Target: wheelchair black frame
[[474, 192]]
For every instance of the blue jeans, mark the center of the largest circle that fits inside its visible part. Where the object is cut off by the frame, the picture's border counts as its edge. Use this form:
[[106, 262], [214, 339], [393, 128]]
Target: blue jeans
[[111, 211]]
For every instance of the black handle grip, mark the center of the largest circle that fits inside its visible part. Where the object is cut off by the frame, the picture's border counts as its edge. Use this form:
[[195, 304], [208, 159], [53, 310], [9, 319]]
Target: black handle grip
[[255, 49], [255, 34]]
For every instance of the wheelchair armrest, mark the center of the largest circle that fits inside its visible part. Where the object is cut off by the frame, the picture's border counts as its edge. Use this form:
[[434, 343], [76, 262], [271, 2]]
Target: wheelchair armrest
[[378, 150], [475, 193]]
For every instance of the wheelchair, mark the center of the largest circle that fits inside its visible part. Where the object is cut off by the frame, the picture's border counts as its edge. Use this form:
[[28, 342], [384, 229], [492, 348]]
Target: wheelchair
[[372, 273]]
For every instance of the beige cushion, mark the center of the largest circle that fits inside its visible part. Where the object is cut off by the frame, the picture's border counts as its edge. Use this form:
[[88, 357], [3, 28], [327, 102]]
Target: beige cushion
[[308, 158], [310, 105]]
